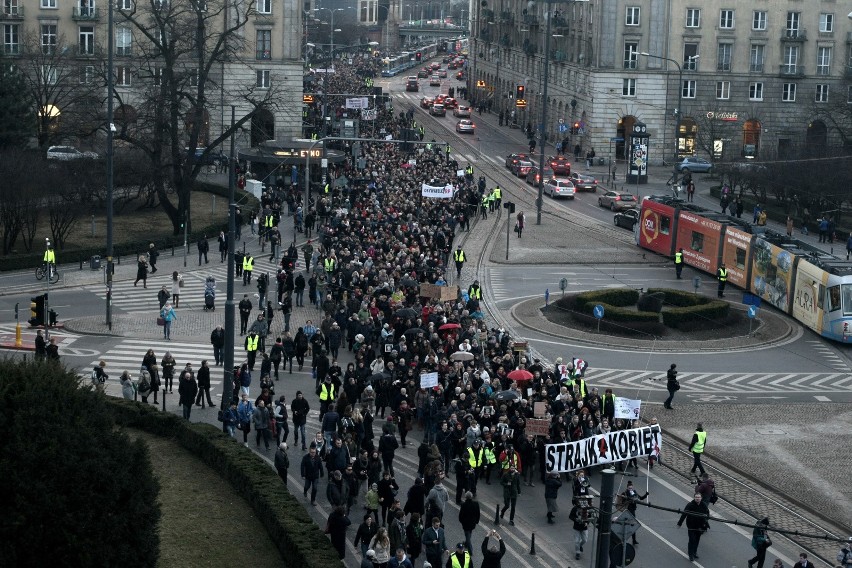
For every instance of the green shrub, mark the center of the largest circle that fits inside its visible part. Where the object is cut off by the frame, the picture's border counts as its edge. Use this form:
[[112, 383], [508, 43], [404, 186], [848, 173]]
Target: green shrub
[[75, 491], [298, 538], [679, 298], [712, 311], [612, 296]]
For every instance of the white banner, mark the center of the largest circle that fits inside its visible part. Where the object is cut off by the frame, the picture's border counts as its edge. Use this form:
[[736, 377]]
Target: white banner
[[627, 408], [428, 380], [368, 114], [445, 192], [603, 449], [357, 102]]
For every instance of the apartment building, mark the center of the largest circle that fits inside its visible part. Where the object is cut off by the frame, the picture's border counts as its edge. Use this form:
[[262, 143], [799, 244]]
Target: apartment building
[[67, 41], [755, 79]]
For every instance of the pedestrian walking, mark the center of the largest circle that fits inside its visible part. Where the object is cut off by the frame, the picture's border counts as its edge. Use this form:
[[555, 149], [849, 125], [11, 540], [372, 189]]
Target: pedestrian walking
[[690, 190], [459, 258], [167, 366], [434, 543], [848, 246], [697, 446], [804, 562], [579, 516], [141, 271], [336, 530], [40, 346], [696, 515], [311, 471], [203, 248], [844, 556], [672, 385], [630, 497], [279, 414], [163, 296], [128, 389], [511, 483], [245, 410], [760, 542], [217, 340], [722, 277], [223, 246], [177, 284], [366, 531], [187, 390], [203, 385], [282, 462], [552, 483], [99, 376], [520, 223], [678, 260], [168, 315], [469, 515], [260, 421], [153, 255]]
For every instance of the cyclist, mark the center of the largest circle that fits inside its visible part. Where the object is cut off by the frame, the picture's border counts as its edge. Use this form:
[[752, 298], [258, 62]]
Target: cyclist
[[49, 261], [532, 145]]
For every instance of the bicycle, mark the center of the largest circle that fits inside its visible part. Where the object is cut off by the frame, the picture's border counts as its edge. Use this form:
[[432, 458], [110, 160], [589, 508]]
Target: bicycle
[[41, 270]]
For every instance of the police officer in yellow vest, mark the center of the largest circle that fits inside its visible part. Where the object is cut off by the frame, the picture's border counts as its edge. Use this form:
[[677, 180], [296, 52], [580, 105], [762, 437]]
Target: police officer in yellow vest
[[699, 441], [468, 172], [248, 266], [326, 188], [483, 209], [475, 458], [251, 345], [447, 150], [326, 394], [490, 460], [498, 198], [474, 292], [679, 262], [329, 264], [459, 257], [461, 558], [722, 277], [491, 201]]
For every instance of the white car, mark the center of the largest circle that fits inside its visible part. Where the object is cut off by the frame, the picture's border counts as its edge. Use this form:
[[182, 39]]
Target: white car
[[559, 188], [465, 125], [66, 153], [462, 111]]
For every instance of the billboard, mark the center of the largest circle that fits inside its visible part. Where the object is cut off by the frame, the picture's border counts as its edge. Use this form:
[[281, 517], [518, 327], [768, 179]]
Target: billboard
[[809, 295], [700, 239], [771, 273]]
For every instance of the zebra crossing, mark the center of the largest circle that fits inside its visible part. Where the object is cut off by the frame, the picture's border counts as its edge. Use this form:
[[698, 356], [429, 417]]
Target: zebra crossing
[[827, 355]]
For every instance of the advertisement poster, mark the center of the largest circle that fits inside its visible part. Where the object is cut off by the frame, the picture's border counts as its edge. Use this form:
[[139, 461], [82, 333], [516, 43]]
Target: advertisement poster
[[735, 251], [809, 295], [699, 238], [771, 271]]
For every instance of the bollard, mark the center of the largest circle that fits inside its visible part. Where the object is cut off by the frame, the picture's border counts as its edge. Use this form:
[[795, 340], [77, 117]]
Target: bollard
[[173, 250], [81, 263], [546, 296], [497, 515], [164, 399], [93, 225], [532, 545]]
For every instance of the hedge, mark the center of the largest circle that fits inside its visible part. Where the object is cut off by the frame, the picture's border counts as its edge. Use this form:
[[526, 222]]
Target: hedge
[[679, 298], [131, 248], [612, 296], [711, 311], [299, 539]]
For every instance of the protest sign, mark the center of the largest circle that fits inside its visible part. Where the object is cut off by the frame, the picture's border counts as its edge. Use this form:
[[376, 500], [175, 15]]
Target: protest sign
[[445, 192], [602, 449], [627, 408], [537, 427], [428, 380]]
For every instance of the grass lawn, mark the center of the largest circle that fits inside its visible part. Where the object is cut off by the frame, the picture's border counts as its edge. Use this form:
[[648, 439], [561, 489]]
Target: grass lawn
[[203, 523]]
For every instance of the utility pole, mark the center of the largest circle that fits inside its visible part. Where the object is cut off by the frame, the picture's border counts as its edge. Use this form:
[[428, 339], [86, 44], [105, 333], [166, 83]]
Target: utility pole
[[605, 518], [109, 161], [228, 363]]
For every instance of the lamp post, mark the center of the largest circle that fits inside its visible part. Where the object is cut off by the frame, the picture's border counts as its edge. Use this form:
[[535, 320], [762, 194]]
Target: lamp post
[[332, 11], [542, 127], [690, 59], [387, 26]]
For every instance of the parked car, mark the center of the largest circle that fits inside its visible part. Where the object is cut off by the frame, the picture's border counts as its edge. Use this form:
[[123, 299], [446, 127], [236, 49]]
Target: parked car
[[559, 188], [560, 165], [617, 201], [584, 182], [461, 111], [626, 218], [426, 102], [694, 164], [437, 110], [434, 81], [412, 84], [465, 126], [67, 153], [533, 176]]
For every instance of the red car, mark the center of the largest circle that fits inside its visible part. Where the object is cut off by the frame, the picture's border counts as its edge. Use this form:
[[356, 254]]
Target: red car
[[460, 75], [560, 165], [450, 103]]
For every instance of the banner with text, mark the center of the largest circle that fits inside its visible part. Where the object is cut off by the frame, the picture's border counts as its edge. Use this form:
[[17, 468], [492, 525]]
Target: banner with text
[[603, 449], [627, 408], [357, 102], [445, 192]]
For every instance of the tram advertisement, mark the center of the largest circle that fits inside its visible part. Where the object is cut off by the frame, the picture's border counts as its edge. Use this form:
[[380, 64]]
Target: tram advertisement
[[809, 294], [772, 269]]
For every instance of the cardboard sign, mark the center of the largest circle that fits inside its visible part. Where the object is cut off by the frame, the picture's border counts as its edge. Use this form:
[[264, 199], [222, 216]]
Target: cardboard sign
[[539, 409], [428, 380], [430, 291], [537, 427]]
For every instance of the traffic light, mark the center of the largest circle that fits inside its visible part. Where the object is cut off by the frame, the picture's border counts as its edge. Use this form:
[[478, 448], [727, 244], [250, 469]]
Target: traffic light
[[575, 128], [418, 56], [37, 310], [509, 206], [520, 93]]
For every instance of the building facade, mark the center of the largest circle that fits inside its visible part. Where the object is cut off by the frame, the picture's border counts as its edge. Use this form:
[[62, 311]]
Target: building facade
[[68, 39], [752, 79]]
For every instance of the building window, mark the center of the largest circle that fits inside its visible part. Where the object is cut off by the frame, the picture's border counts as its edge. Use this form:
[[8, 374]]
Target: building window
[[723, 90], [11, 8], [758, 20], [87, 40], [631, 54], [693, 17], [628, 87], [631, 18], [48, 39], [826, 23], [688, 89], [821, 93], [263, 79], [793, 24], [264, 6], [723, 57], [849, 94], [157, 76], [791, 59], [123, 41], [48, 4], [264, 44], [48, 74], [755, 91], [192, 75], [823, 60], [125, 5], [122, 76], [788, 93], [87, 74], [726, 19], [755, 62], [690, 56], [11, 39]]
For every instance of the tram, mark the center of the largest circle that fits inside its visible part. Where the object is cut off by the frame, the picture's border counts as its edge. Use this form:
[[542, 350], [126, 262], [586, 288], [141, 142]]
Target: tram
[[809, 284]]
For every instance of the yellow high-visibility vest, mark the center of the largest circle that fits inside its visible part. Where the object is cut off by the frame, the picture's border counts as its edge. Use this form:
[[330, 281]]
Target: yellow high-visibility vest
[[698, 448], [329, 264], [475, 292], [251, 343], [723, 274], [489, 455], [498, 193], [50, 256], [268, 222], [678, 257], [248, 263], [457, 564], [326, 392], [458, 256], [473, 459]]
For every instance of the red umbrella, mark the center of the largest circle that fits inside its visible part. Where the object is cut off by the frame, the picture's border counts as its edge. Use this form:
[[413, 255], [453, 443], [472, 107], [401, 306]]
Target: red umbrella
[[449, 326], [520, 375]]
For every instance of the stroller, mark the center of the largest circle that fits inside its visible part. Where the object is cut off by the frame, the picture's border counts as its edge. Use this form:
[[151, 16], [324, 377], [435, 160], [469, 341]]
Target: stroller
[[210, 294]]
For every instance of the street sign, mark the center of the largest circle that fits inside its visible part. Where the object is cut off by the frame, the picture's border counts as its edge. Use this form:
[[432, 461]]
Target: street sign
[[563, 284], [561, 121], [617, 139], [563, 128], [639, 162], [752, 312], [625, 525], [598, 311]]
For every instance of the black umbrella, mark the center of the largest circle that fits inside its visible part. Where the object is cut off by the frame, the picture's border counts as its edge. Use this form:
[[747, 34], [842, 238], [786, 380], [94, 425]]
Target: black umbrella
[[378, 377], [415, 331], [504, 396], [406, 313], [408, 281]]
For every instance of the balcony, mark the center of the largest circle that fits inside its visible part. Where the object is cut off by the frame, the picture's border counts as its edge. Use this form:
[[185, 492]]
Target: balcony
[[791, 70], [794, 35], [10, 50], [85, 52], [85, 14], [12, 13], [755, 67]]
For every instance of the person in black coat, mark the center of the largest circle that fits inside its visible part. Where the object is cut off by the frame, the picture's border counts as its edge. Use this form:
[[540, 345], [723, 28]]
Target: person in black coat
[[493, 549], [366, 531], [695, 514], [416, 498], [336, 529], [188, 390], [387, 491], [672, 385], [203, 385], [630, 497], [469, 514], [217, 340]]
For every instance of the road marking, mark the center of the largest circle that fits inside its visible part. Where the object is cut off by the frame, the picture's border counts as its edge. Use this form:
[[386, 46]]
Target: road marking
[[820, 398]]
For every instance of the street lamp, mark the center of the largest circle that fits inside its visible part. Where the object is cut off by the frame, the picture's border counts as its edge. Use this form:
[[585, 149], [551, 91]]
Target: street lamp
[[332, 11], [387, 26], [678, 111]]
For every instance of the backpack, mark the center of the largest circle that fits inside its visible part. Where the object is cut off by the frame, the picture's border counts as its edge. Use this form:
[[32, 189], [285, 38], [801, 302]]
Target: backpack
[[713, 497]]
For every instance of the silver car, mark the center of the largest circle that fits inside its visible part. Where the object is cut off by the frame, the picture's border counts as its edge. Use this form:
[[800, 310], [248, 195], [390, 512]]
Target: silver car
[[67, 153], [694, 164], [617, 201], [559, 188]]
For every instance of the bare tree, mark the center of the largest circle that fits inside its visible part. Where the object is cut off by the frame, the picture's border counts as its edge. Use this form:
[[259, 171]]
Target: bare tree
[[184, 47]]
